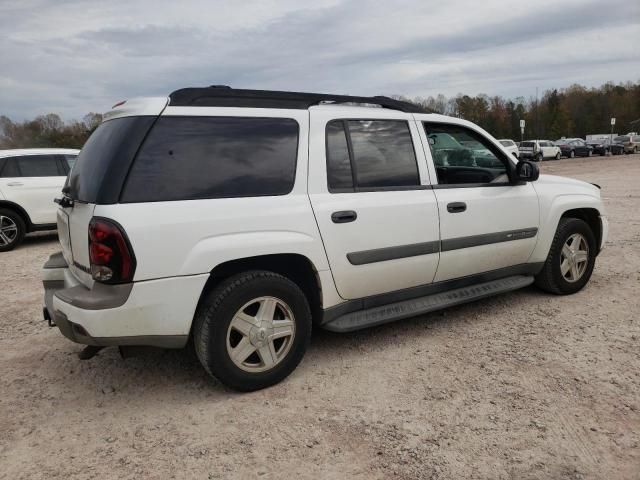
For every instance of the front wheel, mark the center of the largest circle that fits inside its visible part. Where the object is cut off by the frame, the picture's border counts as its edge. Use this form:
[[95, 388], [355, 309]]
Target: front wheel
[[589, 153], [571, 258], [252, 330], [558, 156], [572, 154], [539, 157], [12, 230]]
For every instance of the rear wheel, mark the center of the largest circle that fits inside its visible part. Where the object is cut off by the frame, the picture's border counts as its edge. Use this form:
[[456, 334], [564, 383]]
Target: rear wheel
[[589, 153], [558, 156], [572, 154], [12, 230], [252, 330], [538, 157], [571, 258]]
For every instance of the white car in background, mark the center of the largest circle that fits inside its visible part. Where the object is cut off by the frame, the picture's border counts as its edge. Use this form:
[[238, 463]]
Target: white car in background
[[510, 146], [29, 181], [539, 150]]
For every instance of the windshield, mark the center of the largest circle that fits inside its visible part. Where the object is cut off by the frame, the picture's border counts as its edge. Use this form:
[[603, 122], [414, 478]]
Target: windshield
[[506, 143]]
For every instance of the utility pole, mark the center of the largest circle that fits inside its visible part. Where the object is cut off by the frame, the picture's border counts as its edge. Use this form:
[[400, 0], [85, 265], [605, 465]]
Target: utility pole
[[613, 122], [537, 121]]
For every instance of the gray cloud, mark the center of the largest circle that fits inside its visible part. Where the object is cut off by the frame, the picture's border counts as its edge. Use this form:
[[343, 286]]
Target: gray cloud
[[72, 58]]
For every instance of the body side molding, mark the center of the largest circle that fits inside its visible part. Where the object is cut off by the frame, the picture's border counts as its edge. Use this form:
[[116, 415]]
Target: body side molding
[[392, 253], [403, 251]]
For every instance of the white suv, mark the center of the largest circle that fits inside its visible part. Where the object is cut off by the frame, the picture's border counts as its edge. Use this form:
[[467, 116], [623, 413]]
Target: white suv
[[538, 150], [510, 146], [237, 219], [30, 179]]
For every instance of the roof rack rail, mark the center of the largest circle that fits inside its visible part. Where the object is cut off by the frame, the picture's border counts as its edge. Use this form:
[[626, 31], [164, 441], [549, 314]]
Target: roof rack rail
[[224, 96]]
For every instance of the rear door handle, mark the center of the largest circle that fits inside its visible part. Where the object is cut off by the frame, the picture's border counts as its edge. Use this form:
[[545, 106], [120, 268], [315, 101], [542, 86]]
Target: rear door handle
[[15, 184], [344, 216], [456, 207]]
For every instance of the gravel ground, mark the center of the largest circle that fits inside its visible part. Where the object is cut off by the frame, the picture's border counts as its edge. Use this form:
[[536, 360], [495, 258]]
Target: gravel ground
[[523, 385]]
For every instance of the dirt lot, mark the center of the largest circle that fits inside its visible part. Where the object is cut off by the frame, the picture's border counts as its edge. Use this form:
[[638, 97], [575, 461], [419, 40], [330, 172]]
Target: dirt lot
[[524, 385]]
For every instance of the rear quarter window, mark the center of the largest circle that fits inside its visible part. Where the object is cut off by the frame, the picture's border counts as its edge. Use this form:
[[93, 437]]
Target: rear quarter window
[[10, 168], [189, 158]]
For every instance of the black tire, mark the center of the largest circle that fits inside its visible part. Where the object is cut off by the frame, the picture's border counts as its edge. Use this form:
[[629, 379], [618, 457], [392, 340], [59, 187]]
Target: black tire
[[21, 230], [550, 279], [572, 154], [217, 309], [539, 158], [557, 157], [589, 153]]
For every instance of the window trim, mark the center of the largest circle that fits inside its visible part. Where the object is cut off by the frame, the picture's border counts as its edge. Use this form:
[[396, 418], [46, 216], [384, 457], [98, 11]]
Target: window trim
[[159, 117], [491, 147], [354, 168]]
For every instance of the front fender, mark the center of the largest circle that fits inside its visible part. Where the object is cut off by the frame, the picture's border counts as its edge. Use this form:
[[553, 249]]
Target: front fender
[[550, 213]]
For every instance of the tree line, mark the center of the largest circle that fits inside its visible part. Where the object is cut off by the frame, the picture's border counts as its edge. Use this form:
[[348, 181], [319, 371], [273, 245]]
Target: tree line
[[575, 111]]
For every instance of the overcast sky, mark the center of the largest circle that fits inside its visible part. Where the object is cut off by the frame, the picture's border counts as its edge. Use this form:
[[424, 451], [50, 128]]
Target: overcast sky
[[72, 56]]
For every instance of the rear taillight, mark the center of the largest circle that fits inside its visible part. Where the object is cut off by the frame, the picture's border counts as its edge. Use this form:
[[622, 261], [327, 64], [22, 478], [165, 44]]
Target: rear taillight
[[110, 253]]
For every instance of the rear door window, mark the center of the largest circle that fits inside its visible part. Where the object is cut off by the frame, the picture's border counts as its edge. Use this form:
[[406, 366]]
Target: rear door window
[[370, 155], [38, 166], [339, 173], [188, 158]]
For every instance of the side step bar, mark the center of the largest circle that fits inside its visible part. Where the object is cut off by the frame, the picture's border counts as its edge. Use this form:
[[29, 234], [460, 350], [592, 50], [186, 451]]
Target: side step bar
[[430, 303]]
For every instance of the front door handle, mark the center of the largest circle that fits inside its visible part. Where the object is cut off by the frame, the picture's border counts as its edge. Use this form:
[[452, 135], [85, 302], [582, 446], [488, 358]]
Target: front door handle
[[344, 216], [15, 184], [456, 207]]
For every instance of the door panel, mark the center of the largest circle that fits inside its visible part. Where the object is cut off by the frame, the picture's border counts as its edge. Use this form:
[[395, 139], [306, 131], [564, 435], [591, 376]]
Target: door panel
[[483, 226], [390, 246], [498, 229], [35, 195], [392, 243]]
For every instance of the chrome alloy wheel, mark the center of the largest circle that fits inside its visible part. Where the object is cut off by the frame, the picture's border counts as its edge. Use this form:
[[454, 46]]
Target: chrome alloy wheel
[[574, 258], [260, 334], [8, 231]]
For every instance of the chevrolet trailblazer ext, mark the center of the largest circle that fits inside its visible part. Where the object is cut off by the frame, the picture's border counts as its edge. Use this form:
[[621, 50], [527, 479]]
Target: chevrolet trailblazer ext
[[237, 219]]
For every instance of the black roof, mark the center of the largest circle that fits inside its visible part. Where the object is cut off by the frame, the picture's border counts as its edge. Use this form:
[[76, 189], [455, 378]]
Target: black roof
[[223, 96]]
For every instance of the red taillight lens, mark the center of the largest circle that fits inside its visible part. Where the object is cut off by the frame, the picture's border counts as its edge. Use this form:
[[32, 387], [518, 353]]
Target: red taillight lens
[[110, 254]]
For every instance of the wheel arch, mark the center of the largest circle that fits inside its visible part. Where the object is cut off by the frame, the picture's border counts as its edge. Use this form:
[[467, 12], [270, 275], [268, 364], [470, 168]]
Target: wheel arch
[[19, 210], [591, 216], [296, 267], [585, 207]]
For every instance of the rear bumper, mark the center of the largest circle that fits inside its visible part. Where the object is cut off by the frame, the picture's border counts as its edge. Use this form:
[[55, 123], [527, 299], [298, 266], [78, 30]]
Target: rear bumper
[[156, 312]]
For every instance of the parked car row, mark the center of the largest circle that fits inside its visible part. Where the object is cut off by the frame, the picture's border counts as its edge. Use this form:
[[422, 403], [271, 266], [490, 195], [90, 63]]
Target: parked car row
[[538, 150]]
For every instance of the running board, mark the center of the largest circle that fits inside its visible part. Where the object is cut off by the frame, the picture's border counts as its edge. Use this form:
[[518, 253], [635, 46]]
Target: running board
[[430, 303]]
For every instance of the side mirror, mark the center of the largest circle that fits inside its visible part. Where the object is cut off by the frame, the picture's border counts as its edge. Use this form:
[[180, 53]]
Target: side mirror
[[527, 171]]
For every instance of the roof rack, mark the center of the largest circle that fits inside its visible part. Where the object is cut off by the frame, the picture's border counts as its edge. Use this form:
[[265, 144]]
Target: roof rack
[[223, 96]]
